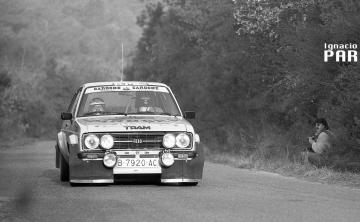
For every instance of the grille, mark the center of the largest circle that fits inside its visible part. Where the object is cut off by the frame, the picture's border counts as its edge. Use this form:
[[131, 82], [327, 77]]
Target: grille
[[137, 140]]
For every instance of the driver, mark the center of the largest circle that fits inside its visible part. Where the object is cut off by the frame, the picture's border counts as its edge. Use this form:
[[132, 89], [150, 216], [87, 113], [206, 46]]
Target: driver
[[145, 104], [97, 105]]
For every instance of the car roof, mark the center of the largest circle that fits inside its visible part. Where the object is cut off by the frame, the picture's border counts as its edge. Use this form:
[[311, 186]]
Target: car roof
[[124, 83]]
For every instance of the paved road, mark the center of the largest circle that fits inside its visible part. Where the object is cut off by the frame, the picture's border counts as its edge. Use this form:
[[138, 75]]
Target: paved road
[[30, 191]]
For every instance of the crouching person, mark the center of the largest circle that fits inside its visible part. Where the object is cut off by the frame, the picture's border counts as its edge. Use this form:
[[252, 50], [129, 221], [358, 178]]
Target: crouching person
[[320, 144]]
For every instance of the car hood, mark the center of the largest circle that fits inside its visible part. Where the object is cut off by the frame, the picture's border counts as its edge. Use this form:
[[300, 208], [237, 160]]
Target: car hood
[[133, 123]]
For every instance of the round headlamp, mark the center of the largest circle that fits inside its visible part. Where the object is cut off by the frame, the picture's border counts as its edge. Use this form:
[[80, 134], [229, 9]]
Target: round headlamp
[[167, 159], [91, 141], [107, 141], [182, 140], [109, 160], [169, 140]]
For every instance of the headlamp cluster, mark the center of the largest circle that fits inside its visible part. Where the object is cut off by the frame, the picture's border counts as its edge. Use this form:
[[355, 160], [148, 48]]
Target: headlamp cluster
[[92, 141], [173, 140]]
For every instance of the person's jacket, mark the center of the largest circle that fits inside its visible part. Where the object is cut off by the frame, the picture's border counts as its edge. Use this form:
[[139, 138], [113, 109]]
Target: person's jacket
[[323, 142]]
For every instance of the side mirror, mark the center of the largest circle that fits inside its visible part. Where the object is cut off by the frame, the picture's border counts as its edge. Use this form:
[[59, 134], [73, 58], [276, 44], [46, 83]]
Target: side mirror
[[66, 116], [189, 115]]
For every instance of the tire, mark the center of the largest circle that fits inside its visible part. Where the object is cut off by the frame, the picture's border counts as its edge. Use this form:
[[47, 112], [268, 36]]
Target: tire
[[184, 184], [190, 184], [64, 169], [57, 157]]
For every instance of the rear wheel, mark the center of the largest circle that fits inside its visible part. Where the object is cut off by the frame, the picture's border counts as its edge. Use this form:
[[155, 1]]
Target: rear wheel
[[64, 169]]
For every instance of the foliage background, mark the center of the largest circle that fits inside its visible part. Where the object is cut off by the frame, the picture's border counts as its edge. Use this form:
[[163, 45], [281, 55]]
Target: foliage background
[[48, 48], [253, 70]]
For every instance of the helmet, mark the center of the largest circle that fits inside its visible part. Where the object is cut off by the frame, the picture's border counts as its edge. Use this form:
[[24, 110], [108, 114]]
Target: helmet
[[97, 105]]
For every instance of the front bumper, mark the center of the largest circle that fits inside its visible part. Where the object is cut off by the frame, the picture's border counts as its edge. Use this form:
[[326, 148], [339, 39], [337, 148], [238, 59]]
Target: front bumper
[[89, 168], [92, 181], [183, 180]]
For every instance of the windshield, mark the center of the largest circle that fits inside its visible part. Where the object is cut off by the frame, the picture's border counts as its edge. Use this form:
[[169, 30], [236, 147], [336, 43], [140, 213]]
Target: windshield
[[124, 100]]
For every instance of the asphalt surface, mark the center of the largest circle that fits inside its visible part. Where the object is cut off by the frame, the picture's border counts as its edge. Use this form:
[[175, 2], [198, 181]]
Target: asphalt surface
[[31, 191]]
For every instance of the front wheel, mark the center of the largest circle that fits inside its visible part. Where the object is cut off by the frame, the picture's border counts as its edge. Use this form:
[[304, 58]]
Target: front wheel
[[190, 184], [64, 169]]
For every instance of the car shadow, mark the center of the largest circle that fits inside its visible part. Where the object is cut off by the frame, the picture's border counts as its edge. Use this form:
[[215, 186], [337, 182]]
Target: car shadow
[[148, 179], [53, 176]]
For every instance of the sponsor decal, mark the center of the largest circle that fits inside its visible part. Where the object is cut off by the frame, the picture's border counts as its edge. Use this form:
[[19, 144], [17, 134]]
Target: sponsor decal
[[137, 127], [128, 120], [125, 88]]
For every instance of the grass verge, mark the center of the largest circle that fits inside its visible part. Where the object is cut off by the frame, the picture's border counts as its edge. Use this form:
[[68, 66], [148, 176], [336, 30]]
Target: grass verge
[[289, 168]]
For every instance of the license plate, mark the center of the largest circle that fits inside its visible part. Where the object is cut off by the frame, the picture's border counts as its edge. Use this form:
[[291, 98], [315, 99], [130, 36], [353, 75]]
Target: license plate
[[138, 162]]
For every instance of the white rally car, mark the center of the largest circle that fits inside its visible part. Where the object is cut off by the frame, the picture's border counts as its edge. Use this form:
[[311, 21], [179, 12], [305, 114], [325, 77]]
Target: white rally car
[[120, 130]]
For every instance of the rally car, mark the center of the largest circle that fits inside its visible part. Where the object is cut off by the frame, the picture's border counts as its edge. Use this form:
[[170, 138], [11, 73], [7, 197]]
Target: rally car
[[119, 130]]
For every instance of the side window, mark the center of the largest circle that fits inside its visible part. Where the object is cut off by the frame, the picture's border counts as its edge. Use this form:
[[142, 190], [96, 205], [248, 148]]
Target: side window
[[74, 101]]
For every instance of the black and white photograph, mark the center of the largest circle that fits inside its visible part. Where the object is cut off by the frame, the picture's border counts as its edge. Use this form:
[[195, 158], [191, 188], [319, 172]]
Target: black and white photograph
[[179, 110]]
